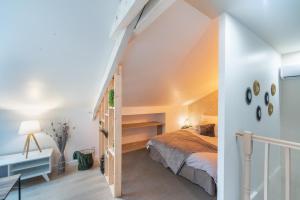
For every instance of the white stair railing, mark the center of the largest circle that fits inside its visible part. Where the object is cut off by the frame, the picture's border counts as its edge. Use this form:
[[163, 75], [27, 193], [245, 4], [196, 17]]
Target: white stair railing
[[247, 139]]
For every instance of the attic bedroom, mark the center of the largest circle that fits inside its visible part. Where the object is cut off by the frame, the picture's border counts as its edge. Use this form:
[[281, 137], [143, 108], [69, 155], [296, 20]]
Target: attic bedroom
[[169, 93], [149, 99]]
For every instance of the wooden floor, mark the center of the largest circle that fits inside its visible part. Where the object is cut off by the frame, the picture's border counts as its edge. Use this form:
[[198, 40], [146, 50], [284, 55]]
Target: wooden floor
[[82, 185]]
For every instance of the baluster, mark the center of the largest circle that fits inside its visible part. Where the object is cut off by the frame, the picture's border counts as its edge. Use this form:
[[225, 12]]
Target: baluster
[[287, 172], [266, 171], [248, 149]]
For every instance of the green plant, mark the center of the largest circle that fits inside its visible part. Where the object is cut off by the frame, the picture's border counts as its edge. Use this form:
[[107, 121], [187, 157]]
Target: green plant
[[111, 98]]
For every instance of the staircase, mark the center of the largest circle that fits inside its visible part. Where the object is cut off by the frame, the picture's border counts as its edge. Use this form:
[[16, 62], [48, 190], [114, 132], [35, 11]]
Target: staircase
[[248, 138]]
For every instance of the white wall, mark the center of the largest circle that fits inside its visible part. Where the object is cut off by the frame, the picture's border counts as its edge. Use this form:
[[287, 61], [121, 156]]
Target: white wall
[[53, 53], [290, 112], [52, 58], [244, 57], [85, 134]]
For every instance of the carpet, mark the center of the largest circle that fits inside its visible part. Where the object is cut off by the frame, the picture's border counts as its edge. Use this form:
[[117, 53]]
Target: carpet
[[143, 179]]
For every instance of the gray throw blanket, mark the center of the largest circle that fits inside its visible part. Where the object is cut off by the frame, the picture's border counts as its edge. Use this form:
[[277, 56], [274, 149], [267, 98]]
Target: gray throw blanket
[[176, 147]]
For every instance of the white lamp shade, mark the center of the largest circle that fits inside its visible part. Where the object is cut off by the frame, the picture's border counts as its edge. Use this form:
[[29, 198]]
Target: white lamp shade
[[29, 127]]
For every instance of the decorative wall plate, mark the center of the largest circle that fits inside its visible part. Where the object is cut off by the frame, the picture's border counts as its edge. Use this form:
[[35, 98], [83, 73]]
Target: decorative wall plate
[[258, 113], [248, 96], [267, 98], [273, 89], [256, 88], [270, 109]]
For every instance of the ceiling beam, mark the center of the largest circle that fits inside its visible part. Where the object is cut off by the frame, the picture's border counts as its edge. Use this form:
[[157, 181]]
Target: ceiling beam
[[118, 50], [122, 30], [206, 7], [127, 11], [152, 11]]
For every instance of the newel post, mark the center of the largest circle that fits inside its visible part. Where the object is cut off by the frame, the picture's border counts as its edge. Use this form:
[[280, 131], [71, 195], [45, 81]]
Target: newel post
[[248, 150]]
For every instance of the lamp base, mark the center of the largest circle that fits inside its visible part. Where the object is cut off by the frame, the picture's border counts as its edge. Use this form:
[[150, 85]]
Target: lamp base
[[27, 144]]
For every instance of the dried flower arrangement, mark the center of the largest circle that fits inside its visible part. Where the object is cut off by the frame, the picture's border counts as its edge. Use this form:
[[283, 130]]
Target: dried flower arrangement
[[60, 133]]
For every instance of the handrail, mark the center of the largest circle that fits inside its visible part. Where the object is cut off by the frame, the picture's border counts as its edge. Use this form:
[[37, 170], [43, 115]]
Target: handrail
[[248, 138], [274, 141]]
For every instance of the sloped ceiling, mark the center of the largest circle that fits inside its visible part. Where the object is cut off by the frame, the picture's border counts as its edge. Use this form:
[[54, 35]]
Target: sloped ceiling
[[276, 21], [156, 70], [53, 52]]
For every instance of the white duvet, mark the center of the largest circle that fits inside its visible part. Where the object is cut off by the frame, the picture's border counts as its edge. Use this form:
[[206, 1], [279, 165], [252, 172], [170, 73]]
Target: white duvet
[[205, 161]]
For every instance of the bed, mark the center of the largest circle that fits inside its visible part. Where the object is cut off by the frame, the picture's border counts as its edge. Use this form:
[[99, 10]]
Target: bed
[[188, 154]]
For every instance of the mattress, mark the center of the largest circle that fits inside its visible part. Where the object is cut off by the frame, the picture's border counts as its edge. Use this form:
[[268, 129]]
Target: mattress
[[196, 176]]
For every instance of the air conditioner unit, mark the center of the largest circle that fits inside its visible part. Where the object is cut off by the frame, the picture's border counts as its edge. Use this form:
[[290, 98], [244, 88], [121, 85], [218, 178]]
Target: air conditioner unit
[[290, 71]]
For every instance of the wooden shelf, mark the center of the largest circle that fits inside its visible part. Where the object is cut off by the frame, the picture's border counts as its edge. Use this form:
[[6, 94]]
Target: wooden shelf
[[141, 125], [133, 146], [110, 143]]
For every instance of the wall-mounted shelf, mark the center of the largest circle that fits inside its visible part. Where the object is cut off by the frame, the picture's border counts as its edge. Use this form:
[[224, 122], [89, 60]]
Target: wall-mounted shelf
[[141, 125], [140, 143], [133, 146]]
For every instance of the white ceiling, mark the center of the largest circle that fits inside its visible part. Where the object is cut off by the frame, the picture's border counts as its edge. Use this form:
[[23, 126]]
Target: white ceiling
[[276, 21], [154, 66], [53, 53]]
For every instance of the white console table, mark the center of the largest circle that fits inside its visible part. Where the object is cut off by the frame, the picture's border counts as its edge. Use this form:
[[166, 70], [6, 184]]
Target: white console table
[[37, 164]]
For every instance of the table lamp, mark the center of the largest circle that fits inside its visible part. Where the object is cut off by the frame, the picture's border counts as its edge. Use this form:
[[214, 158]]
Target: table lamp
[[187, 124], [29, 128]]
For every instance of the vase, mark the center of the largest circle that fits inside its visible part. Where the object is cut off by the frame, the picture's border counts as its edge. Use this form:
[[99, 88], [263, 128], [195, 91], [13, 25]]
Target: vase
[[61, 167]]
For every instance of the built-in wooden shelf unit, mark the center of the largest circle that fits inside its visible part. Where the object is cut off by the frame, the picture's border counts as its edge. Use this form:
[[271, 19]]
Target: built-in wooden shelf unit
[[140, 144], [138, 129], [110, 130], [141, 125]]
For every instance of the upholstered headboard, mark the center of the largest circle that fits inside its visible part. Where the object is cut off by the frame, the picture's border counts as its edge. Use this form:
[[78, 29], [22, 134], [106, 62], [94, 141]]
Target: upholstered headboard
[[208, 119]]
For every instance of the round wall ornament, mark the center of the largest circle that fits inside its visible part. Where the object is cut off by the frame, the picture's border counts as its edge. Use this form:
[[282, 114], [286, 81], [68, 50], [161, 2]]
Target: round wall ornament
[[270, 109], [267, 98], [258, 113], [256, 88], [273, 89], [248, 96]]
